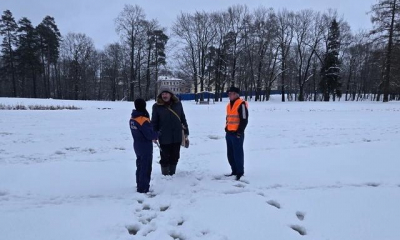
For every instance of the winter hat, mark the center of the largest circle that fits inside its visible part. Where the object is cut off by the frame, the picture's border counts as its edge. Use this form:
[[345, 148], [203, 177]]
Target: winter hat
[[166, 89], [140, 105], [233, 89]]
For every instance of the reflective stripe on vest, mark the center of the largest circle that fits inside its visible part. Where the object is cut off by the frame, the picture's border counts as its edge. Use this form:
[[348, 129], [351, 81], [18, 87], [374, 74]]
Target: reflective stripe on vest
[[232, 115]]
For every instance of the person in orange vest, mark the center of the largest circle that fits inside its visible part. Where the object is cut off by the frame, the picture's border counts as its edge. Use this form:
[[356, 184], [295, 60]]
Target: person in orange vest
[[237, 116]]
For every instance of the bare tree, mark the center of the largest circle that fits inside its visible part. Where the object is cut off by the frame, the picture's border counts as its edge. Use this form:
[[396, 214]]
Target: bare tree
[[385, 16], [236, 16], [77, 50], [112, 68], [129, 26], [308, 35], [185, 30], [285, 38]]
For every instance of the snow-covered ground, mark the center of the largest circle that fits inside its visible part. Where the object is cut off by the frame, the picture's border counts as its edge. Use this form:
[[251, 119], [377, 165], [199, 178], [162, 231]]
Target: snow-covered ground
[[329, 170]]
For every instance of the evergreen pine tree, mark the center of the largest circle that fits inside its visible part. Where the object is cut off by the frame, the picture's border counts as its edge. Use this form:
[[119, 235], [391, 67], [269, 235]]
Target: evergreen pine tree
[[8, 28], [330, 72], [27, 54], [49, 45]]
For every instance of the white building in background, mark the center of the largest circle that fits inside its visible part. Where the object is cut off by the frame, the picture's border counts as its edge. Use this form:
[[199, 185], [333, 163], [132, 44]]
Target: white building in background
[[177, 85]]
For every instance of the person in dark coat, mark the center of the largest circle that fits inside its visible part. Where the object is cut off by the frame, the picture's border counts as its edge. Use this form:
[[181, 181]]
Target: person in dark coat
[[237, 116], [168, 119], [143, 136]]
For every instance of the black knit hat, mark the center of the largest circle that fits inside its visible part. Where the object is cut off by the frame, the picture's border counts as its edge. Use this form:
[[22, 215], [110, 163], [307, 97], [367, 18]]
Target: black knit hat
[[140, 105], [233, 89]]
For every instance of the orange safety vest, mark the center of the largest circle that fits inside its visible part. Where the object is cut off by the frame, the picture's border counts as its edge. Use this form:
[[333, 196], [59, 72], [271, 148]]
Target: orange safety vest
[[232, 115]]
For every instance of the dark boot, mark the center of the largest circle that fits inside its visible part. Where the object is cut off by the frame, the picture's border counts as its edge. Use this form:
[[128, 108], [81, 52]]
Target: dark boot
[[239, 176], [165, 170], [172, 169]]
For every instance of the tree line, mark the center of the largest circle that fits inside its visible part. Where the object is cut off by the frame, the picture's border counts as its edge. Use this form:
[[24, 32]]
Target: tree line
[[37, 62], [307, 55]]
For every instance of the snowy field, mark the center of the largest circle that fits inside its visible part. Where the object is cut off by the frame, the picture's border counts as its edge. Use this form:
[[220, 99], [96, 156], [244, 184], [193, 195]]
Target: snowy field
[[325, 170]]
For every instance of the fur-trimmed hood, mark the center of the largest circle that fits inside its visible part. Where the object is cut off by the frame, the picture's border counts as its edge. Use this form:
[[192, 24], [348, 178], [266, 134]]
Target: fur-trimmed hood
[[160, 101]]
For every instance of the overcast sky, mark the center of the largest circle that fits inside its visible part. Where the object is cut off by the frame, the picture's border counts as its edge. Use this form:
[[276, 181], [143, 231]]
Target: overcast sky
[[95, 18]]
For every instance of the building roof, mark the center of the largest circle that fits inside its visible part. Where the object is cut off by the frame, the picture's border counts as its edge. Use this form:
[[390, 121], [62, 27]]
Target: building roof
[[168, 78]]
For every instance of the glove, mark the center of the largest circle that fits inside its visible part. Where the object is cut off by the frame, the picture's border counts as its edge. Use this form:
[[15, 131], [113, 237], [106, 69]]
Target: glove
[[187, 143]]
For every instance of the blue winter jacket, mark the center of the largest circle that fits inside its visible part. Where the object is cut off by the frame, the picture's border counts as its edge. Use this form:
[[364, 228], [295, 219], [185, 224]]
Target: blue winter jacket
[[142, 133]]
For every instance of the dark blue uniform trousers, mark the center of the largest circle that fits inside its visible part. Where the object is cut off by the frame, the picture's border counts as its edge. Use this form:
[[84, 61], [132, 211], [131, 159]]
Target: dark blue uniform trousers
[[143, 172], [235, 152]]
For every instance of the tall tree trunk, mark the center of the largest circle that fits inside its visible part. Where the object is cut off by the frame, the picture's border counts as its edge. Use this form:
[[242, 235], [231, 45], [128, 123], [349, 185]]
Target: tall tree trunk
[[349, 80], [48, 92], [283, 77], [389, 56], [139, 56], [34, 81], [14, 80], [132, 71], [148, 74]]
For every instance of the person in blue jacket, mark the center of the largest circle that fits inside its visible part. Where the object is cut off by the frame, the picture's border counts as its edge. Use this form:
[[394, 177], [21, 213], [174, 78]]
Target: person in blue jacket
[[143, 137]]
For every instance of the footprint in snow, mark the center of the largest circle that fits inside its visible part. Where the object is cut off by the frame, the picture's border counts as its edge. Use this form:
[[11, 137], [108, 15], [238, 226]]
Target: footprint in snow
[[151, 195], [223, 177], [148, 219], [72, 148], [164, 208], [239, 185], [274, 204], [301, 230], [177, 236], [244, 181], [261, 194], [181, 222], [3, 193], [149, 230], [194, 184], [146, 207], [372, 184], [133, 229], [300, 215], [217, 178], [214, 137], [235, 191]]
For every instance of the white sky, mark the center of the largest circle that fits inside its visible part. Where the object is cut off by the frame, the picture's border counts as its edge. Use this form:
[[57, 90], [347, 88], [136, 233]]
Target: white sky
[[95, 18]]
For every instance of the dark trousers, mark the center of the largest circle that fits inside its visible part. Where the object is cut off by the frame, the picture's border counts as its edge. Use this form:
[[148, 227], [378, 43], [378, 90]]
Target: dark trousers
[[235, 152], [143, 172], [170, 154]]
